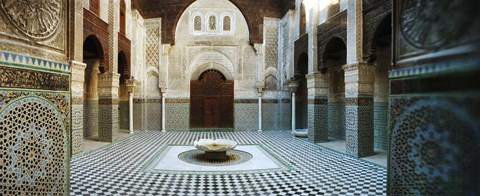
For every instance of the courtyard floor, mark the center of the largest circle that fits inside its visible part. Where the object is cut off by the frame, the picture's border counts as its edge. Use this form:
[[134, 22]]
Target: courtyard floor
[[308, 169]]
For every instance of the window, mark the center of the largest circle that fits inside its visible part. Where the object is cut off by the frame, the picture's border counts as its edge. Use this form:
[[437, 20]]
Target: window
[[226, 23], [212, 23], [197, 23]]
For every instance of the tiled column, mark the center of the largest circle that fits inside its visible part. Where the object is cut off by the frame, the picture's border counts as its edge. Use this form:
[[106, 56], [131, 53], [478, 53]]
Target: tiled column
[[78, 77], [359, 109], [317, 84], [108, 106]]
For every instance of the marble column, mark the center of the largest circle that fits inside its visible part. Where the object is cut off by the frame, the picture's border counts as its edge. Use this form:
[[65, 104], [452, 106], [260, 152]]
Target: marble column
[[293, 85], [317, 84], [130, 83], [108, 85], [260, 91], [163, 91]]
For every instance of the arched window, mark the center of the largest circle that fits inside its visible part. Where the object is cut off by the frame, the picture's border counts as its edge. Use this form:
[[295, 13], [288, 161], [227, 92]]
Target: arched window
[[197, 23], [212, 23], [226, 23]]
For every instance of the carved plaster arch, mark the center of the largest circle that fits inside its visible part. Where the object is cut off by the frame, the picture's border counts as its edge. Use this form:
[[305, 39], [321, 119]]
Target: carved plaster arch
[[212, 60]]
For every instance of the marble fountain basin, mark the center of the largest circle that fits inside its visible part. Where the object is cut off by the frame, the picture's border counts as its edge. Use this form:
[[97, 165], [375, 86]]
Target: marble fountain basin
[[215, 149]]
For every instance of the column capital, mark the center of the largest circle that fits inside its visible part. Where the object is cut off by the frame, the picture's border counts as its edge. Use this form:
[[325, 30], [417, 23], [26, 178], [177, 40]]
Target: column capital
[[292, 85], [359, 79], [130, 84]]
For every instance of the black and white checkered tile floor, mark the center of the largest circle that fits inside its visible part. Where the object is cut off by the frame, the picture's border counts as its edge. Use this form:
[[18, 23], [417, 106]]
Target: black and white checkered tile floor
[[117, 169]]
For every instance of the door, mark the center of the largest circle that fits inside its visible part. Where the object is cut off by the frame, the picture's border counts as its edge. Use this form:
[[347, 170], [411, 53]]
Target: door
[[211, 101]]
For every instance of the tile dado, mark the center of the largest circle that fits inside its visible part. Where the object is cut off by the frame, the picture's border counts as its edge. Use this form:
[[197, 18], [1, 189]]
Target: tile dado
[[38, 121]]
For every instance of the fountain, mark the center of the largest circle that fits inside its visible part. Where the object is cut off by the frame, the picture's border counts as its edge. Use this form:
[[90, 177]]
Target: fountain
[[215, 150]]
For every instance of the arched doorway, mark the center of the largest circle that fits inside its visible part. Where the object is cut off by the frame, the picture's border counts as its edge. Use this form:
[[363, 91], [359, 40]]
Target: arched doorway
[[211, 101], [301, 102], [381, 58], [122, 90], [93, 56], [334, 58]]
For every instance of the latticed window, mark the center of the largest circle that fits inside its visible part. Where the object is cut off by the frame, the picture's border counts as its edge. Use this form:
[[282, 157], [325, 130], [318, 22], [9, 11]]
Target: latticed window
[[226, 23], [212, 23], [197, 26]]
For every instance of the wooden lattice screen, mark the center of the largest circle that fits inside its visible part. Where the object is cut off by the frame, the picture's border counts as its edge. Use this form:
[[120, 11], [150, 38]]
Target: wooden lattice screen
[[211, 101]]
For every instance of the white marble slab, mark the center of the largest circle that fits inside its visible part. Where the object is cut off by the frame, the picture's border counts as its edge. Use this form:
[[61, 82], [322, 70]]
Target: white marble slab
[[260, 161]]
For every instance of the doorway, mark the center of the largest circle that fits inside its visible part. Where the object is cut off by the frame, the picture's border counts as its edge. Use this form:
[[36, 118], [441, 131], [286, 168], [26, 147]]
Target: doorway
[[211, 101]]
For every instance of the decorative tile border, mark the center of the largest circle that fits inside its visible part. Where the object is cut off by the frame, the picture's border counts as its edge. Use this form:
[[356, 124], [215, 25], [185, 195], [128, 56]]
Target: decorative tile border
[[24, 60]]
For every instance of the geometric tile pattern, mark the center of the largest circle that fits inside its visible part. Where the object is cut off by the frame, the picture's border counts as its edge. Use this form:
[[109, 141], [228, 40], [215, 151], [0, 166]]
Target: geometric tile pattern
[[434, 149], [271, 43], [177, 116], [90, 118], [275, 116], [359, 130], [336, 120], [315, 170], [33, 146], [380, 112], [246, 116], [123, 114], [153, 119], [107, 122], [77, 129], [317, 122]]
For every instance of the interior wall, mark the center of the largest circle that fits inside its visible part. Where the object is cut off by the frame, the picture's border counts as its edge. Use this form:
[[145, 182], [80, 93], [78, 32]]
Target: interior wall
[[35, 98]]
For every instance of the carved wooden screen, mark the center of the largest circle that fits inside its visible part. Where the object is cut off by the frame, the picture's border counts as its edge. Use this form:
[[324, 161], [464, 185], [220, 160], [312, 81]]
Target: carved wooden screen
[[211, 101]]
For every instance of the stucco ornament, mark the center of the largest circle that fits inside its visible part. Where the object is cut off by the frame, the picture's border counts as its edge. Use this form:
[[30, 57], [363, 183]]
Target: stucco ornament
[[37, 19]]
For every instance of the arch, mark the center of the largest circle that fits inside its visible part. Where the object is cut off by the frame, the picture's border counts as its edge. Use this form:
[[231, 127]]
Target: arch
[[302, 65], [271, 71], [334, 58], [212, 60], [271, 78], [381, 36], [123, 66], [335, 52], [152, 70], [92, 48], [209, 66]]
